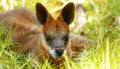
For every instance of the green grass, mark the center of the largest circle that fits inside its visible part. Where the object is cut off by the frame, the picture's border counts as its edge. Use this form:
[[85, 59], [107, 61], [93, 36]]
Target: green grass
[[103, 27]]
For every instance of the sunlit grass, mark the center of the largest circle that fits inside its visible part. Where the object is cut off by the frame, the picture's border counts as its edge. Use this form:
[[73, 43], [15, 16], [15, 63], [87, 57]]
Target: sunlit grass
[[102, 27]]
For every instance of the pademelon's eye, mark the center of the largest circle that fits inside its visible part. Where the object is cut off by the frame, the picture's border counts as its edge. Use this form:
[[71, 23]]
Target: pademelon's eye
[[48, 38], [66, 38]]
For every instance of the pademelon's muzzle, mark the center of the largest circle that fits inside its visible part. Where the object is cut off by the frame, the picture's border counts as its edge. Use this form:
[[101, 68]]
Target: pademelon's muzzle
[[59, 52]]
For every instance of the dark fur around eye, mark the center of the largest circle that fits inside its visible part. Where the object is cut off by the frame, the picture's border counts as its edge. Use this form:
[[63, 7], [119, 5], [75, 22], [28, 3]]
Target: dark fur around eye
[[48, 38], [66, 39]]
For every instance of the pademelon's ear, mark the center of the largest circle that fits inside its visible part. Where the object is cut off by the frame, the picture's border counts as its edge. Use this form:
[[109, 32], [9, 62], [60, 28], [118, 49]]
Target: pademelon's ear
[[67, 13], [42, 14]]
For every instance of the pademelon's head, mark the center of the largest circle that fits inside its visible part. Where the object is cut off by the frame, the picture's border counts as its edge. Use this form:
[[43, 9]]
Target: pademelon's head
[[56, 31]]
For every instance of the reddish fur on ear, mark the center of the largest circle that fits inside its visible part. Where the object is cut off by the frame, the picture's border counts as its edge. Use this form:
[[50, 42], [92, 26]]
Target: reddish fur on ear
[[67, 13]]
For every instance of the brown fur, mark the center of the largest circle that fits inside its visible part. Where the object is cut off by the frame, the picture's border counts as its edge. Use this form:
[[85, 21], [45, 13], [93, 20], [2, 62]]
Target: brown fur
[[28, 31]]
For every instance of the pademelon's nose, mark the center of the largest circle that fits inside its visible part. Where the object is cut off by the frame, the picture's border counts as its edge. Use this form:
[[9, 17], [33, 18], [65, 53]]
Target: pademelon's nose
[[59, 52]]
